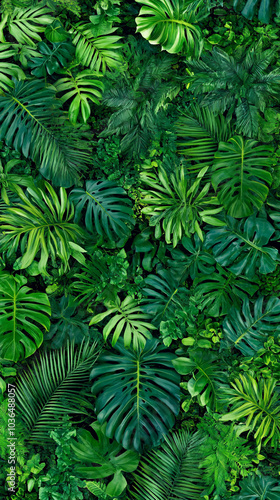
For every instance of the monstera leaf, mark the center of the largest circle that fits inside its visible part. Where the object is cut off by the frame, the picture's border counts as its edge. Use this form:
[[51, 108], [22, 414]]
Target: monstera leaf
[[218, 291], [241, 246], [240, 177], [103, 458], [247, 330], [108, 210], [127, 316], [164, 295], [169, 23], [138, 394], [195, 260], [22, 313], [259, 488]]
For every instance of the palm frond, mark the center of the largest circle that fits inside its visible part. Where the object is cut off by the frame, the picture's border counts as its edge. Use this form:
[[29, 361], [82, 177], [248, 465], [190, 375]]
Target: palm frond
[[51, 388], [172, 471]]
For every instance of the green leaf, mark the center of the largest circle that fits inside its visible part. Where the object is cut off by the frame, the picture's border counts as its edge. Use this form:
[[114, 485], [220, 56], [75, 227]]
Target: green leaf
[[238, 172], [25, 24], [55, 32], [195, 260], [259, 402], [130, 322], [259, 488], [241, 246], [51, 59], [65, 371], [108, 210], [143, 400], [170, 24], [22, 313], [9, 69], [30, 121], [172, 471], [99, 53], [80, 89], [247, 330], [41, 224]]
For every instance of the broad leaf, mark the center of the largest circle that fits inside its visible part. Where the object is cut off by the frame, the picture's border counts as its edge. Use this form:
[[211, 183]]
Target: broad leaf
[[240, 177], [195, 260], [241, 246], [258, 488], [170, 24], [137, 394], [22, 314], [247, 330], [218, 291], [102, 457], [108, 210], [52, 59], [25, 24]]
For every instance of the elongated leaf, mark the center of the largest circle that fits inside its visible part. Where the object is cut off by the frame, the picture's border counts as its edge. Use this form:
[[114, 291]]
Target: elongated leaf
[[169, 23], [108, 210], [22, 313], [51, 388], [173, 471], [29, 121], [239, 175], [137, 394], [242, 246], [25, 24], [247, 330], [259, 402]]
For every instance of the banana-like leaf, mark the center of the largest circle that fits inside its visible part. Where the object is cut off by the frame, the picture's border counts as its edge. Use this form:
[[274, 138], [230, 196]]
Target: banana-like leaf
[[51, 59], [9, 69], [29, 121], [173, 471], [138, 394], [259, 402], [41, 225], [22, 313], [51, 388], [25, 24], [258, 488], [108, 210], [247, 330], [171, 24], [80, 89], [241, 246], [206, 376], [128, 319], [164, 295], [263, 8], [102, 457], [98, 53], [220, 290], [240, 177]]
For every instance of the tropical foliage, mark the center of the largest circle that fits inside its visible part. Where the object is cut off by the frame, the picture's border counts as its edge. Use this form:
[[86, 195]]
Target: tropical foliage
[[139, 249]]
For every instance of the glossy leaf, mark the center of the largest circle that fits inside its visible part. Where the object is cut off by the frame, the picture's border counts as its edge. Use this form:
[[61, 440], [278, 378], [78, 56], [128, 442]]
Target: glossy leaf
[[247, 329], [192, 261], [170, 23], [137, 394], [108, 210], [241, 246], [258, 488], [239, 175], [52, 59], [25, 24], [24, 315], [9, 69]]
